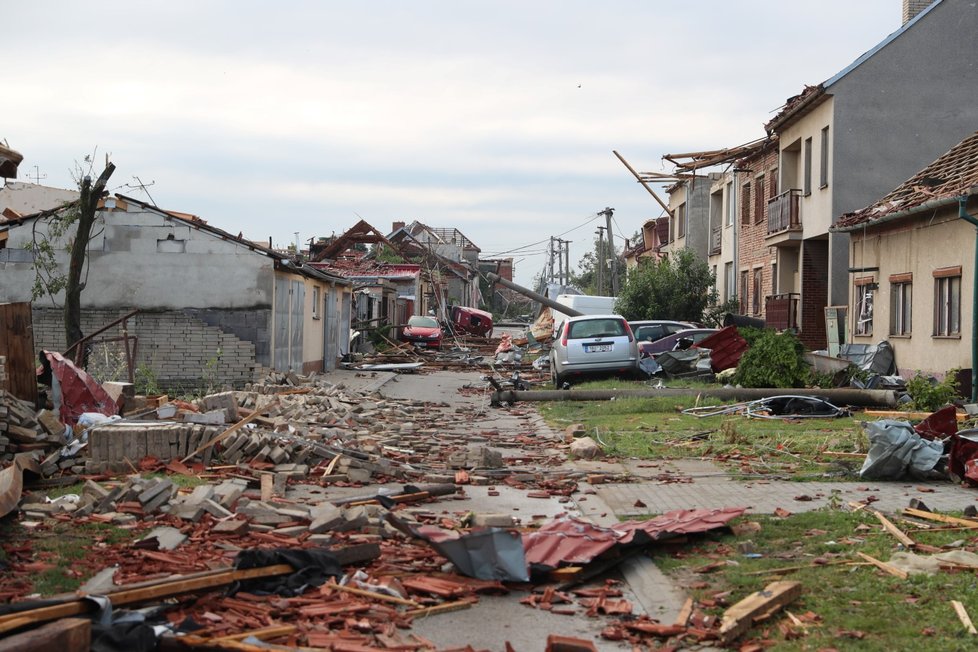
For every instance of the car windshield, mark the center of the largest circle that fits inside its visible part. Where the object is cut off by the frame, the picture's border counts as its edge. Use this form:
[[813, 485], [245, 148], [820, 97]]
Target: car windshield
[[423, 322], [596, 328]]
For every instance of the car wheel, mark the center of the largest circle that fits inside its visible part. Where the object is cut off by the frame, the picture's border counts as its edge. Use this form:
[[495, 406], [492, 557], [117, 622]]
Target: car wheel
[[558, 379]]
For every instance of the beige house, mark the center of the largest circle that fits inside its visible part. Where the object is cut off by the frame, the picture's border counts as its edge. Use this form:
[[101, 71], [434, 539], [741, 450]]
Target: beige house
[[912, 265]]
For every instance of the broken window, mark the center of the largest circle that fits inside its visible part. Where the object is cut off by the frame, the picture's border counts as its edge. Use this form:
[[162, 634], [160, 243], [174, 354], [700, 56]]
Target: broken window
[[947, 302], [900, 304], [864, 308]]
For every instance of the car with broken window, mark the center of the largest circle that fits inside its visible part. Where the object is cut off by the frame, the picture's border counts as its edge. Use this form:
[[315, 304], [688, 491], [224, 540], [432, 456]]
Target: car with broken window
[[679, 340], [593, 345], [650, 330], [424, 332]]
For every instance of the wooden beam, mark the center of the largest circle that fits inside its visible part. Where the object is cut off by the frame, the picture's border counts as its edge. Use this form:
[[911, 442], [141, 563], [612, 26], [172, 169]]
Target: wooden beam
[[263, 634], [443, 608], [165, 588], [940, 518], [883, 566], [964, 617], [897, 533], [740, 617], [897, 414], [687, 610], [66, 635], [383, 597], [665, 206]]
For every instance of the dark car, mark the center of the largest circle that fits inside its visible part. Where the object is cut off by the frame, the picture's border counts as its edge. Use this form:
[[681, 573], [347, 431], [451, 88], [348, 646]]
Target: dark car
[[670, 342], [650, 330], [423, 332]]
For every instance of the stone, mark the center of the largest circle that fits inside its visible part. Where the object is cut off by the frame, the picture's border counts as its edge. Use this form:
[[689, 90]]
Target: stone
[[187, 512], [200, 494], [232, 526], [212, 418], [575, 430], [95, 490], [359, 475], [325, 517], [167, 538], [493, 520], [154, 490], [215, 509], [585, 448]]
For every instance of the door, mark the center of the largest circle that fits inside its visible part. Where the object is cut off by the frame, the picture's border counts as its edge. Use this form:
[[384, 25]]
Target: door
[[331, 341], [288, 318], [343, 328]]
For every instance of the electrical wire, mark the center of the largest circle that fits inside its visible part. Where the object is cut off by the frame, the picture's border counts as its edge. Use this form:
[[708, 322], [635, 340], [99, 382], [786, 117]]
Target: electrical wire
[[533, 244]]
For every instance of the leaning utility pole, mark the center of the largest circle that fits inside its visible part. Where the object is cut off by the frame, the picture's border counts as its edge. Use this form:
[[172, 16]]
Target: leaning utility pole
[[608, 212]]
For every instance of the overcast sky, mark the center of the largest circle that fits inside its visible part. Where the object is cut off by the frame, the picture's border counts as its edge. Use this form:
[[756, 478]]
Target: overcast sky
[[496, 118]]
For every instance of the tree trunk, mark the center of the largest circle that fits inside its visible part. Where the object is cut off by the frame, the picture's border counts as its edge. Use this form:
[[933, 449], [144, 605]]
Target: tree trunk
[[87, 209]]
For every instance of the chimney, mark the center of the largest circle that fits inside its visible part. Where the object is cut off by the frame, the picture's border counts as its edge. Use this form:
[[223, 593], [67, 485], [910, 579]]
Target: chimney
[[396, 226], [913, 7]]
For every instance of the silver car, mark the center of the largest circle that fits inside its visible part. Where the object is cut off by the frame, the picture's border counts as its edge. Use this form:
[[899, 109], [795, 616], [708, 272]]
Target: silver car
[[593, 345]]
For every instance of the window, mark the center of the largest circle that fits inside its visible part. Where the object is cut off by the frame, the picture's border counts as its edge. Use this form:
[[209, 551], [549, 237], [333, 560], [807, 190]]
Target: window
[[947, 302], [681, 221], [808, 166], [743, 292], [756, 305], [315, 302], [900, 304], [729, 280], [864, 306], [823, 162], [773, 189], [730, 204], [759, 199], [745, 204]]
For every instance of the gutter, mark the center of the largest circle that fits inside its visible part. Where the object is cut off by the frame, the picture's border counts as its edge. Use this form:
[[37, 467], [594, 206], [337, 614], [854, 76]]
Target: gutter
[[963, 214]]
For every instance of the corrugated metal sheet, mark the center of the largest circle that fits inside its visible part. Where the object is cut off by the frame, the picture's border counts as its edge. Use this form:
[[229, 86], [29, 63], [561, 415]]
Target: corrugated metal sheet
[[726, 347], [575, 541]]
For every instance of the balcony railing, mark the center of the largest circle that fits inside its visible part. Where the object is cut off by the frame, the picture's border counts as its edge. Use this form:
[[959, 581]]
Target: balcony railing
[[781, 310], [715, 240], [784, 212]]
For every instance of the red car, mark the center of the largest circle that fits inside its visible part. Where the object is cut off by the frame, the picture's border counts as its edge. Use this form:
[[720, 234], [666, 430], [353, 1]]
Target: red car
[[422, 332]]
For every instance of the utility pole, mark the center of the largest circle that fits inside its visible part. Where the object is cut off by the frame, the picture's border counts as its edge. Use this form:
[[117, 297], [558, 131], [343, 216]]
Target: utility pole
[[560, 261], [550, 261], [567, 259], [608, 212], [600, 267]]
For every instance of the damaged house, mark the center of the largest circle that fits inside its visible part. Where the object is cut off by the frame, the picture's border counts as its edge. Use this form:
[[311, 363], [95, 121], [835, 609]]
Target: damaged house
[[212, 305], [912, 258]]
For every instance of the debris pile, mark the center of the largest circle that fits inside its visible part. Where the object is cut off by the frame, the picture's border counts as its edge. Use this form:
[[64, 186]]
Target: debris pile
[[23, 430]]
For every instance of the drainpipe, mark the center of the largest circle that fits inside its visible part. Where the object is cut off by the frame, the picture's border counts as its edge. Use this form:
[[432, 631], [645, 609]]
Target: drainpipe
[[963, 214]]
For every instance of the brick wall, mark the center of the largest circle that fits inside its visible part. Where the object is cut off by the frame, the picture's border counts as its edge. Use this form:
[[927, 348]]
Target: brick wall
[[185, 354], [753, 250], [913, 7], [814, 292]]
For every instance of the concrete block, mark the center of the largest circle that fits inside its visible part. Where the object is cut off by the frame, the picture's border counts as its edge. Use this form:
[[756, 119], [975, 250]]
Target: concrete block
[[215, 509], [493, 520], [167, 538], [232, 527], [325, 517]]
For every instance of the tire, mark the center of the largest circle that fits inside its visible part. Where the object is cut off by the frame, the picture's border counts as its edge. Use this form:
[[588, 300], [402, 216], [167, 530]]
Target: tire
[[556, 378]]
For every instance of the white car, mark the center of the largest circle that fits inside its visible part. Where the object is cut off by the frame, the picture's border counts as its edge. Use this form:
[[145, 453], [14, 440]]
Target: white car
[[593, 345]]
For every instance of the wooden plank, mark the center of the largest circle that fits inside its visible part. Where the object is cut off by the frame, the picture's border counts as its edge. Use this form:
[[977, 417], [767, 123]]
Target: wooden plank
[[740, 617], [383, 597], [127, 595], [897, 414], [224, 435], [687, 610], [445, 607], [66, 635], [262, 634], [883, 566], [940, 518], [897, 533], [964, 617]]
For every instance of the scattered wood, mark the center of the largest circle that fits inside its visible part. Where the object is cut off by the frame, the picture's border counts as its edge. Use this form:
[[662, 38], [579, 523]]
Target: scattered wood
[[941, 518], [897, 414], [897, 533], [383, 597], [740, 617], [964, 617], [443, 608], [224, 435], [792, 569], [263, 634], [883, 566]]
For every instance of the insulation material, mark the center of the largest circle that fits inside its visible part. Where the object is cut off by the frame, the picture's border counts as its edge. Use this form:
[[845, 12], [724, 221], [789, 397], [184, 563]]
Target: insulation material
[[897, 451]]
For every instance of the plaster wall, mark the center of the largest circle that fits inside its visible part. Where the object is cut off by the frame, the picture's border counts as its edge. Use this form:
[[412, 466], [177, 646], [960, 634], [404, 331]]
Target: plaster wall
[[147, 260], [918, 247]]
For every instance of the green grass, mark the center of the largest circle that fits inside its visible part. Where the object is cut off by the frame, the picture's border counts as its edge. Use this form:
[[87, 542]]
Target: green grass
[[655, 428], [893, 614]]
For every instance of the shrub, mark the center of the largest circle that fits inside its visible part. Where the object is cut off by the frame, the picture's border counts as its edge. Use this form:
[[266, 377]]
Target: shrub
[[773, 360], [928, 395]]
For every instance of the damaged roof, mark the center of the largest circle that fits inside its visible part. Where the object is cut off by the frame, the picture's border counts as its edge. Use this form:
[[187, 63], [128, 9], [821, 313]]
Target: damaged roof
[[709, 158], [953, 175], [812, 96], [9, 160]]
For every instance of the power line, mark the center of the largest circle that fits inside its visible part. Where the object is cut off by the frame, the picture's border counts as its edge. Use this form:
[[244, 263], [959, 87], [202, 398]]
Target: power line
[[547, 239]]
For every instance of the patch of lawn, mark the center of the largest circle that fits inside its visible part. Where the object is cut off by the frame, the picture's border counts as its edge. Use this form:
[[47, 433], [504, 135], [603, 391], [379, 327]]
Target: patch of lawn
[[656, 428], [847, 601]]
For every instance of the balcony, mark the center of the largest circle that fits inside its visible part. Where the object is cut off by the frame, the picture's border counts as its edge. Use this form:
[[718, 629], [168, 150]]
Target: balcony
[[716, 239], [784, 218], [781, 310]]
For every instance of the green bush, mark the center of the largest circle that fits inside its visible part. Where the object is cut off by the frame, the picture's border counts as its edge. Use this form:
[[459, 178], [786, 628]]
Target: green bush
[[773, 360], [928, 395]]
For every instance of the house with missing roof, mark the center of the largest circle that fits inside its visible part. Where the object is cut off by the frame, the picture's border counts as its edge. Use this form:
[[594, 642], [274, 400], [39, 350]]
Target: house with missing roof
[[846, 142], [912, 259], [212, 304]]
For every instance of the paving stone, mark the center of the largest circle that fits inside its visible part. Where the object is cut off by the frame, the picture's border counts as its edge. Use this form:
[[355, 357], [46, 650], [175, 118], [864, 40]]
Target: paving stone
[[231, 526], [215, 509], [167, 538]]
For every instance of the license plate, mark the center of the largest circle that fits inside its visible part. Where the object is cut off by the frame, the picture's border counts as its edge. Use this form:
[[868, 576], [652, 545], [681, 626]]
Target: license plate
[[600, 348], [421, 344]]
